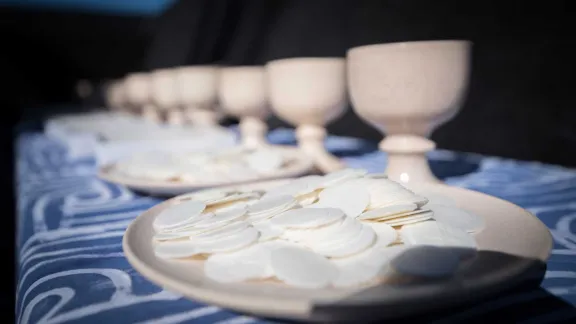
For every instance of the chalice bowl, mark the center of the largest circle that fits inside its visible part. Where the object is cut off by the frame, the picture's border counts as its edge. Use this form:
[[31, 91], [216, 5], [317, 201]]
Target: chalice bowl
[[165, 96], [309, 93], [197, 88], [242, 94], [138, 95], [406, 90]]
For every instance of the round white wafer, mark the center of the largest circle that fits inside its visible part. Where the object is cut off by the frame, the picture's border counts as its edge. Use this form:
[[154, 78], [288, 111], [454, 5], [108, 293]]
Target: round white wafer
[[383, 212], [307, 217], [206, 195], [365, 266], [175, 249], [302, 268], [233, 242], [411, 219], [386, 233], [271, 206], [221, 217], [189, 226], [226, 229], [234, 197], [297, 187], [268, 231], [342, 176], [434, 233], [361, 242], [334, 234], [179, 214], [456, 217], [352, 198], [250, 263]]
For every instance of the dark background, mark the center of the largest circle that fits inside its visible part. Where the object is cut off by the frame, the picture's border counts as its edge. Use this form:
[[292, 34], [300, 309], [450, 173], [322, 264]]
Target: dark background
[[520, 102]]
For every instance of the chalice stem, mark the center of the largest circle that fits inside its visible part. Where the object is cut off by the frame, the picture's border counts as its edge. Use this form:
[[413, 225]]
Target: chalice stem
[[407, 162], [311, 141], [150, 113], [201, 117], [253, 132], [175, 117]]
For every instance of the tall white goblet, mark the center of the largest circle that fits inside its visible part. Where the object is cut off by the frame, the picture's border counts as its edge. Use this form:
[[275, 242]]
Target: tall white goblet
[[406, 90], [309, 93], [197, 87], [242, 93], [165, 96], [115, 95], [138, 95]]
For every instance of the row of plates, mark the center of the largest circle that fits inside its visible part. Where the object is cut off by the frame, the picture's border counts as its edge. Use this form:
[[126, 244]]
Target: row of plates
[[503, 260]]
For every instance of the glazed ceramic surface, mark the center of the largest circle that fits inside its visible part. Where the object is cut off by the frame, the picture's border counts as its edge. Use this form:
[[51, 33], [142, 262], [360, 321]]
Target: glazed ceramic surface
[[503, 260], [242, 93], [309, 93], [197, 87], [406, 90]]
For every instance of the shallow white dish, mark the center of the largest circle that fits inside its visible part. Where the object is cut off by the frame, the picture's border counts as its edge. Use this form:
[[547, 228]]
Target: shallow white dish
[[513, 247], [299, 164]]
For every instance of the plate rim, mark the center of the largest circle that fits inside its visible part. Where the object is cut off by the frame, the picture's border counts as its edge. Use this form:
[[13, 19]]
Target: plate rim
[[180, 187], [298, 309]]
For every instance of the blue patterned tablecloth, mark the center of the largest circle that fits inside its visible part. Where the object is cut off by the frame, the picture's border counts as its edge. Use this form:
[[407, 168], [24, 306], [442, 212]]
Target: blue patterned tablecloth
[[70, 227]]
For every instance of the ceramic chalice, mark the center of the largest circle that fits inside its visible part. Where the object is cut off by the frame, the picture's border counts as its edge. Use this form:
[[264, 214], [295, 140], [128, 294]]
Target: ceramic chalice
[[309, 93], [197, 88], [242, 94], [115, 95], [406, 90], [165, 96], [138, 94]]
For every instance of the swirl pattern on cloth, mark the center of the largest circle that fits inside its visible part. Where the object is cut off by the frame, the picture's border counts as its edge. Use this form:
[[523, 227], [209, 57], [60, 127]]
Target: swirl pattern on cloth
[[70, 227]]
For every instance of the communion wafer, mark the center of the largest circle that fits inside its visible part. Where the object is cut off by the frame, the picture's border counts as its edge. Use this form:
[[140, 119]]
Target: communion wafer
[[250, 263], [365, 238], [302, 268], [207, 195], [332, 235], [227, 229], [456, 217], [380, 213], [341, 176], [365, 266], [434, 233], [411, 219], [352, 198], [342, 236], [232, 242], [270, 206], [268, 231], [307, 217], [386, 233], [179, 214], [224, 216]]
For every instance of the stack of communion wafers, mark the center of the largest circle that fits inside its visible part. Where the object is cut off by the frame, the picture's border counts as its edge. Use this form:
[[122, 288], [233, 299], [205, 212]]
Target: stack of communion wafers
[[342, 229]]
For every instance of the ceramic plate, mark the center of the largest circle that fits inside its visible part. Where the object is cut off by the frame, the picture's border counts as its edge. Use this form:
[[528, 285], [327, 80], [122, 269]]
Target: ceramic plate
[[299, 165], [513, 247]]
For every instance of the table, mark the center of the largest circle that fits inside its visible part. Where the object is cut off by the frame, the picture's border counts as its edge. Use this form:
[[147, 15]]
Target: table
[[70, 227]]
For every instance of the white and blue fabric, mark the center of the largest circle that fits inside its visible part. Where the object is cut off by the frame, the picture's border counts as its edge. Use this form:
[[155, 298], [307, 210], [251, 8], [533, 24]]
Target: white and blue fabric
[[70, 227]]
